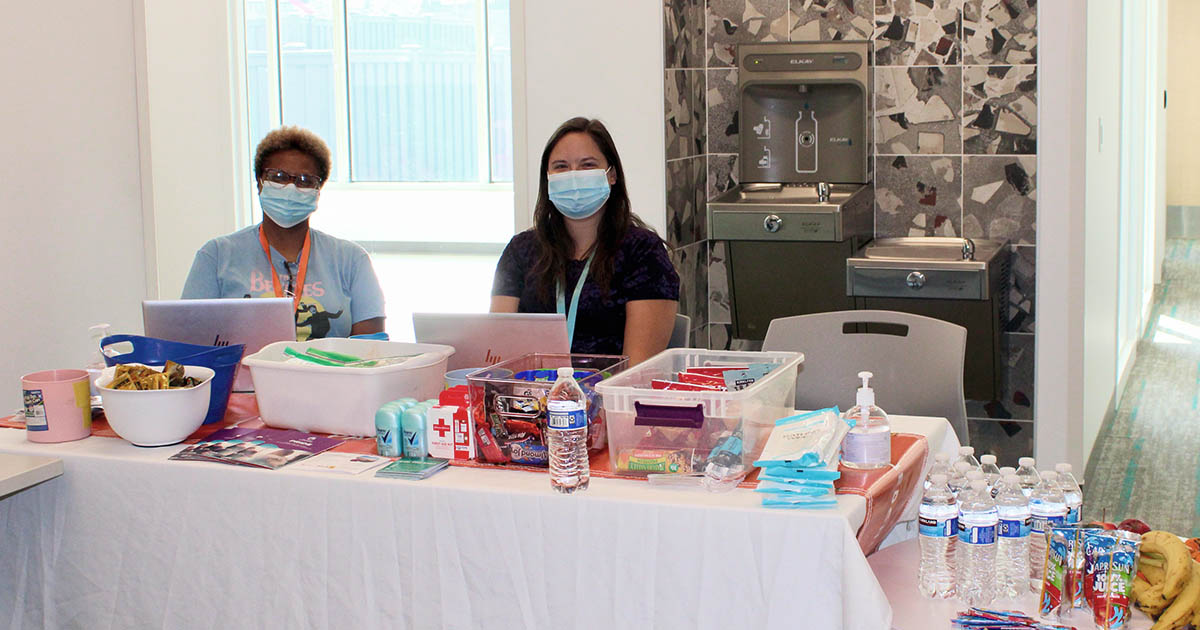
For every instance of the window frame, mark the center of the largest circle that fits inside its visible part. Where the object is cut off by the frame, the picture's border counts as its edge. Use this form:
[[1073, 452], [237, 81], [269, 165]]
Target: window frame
[[342, 140]]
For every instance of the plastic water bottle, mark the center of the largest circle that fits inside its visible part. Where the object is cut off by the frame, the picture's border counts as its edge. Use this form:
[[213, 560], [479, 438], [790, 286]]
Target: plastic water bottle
[[941, 466], [1028, 475], [977, 521], [566, 433], [958, 477], [1012, 540], [967, 454], [868, 445], [937, 534], [991, 473], [1048, 507], [1004, 472], [1071, 492]]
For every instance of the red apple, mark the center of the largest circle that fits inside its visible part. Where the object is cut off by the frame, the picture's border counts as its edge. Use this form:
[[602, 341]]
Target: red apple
[[1134, 525], [1100, 525]]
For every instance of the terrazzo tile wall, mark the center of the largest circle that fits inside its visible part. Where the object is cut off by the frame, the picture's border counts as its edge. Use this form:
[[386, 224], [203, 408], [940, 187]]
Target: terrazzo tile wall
[[955, 114]]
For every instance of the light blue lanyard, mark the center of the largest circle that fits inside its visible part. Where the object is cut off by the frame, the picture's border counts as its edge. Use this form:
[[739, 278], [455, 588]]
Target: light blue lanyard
[[562, 299]]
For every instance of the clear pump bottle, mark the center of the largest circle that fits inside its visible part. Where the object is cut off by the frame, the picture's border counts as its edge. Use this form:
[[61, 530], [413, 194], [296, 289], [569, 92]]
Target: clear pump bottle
[[96, 362], [868, 445]]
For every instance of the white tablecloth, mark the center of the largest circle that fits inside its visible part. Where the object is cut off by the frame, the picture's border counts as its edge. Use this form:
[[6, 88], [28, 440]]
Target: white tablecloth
[[127, 539]]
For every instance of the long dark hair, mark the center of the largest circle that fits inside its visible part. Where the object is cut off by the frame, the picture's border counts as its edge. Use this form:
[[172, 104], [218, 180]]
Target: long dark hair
[[556, 246]]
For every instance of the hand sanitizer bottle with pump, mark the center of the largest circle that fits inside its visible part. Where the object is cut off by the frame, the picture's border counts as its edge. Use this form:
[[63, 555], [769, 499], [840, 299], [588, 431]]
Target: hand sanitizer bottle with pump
[[868, 445]]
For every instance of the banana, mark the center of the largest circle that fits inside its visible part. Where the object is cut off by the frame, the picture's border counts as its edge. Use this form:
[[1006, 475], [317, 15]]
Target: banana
[[1154, 575], [1149, 598], [1178, 560], [1151, 559], [1196, 615], [1180, 612]]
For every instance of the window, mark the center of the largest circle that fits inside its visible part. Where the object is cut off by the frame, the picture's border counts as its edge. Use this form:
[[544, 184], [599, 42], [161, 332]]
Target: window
[[414, 99]]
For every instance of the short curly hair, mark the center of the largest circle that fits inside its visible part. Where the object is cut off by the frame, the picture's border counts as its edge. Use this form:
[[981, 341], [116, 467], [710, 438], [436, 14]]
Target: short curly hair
[[289, 138]]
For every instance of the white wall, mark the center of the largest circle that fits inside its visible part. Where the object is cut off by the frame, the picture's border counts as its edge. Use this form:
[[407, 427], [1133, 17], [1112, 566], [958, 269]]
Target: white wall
[[1183, 152], [597, 59], [1100, 226], [71, 245], [188, 128], [1062, 147]]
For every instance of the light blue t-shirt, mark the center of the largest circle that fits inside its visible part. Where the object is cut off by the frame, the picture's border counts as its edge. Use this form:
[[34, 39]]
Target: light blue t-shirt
[[340, 287]]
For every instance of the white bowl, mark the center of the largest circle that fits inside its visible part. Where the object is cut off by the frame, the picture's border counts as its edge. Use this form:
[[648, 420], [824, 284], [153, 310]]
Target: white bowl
[[156, 417]]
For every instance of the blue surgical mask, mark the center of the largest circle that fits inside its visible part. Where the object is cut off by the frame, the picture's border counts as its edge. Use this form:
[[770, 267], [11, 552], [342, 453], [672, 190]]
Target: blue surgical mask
[[287, 206], [578, 194]]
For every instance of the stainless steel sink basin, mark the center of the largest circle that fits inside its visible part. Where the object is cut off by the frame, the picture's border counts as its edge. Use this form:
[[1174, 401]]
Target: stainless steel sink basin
[[804, 194], [792, 212], [928, 267], [933, 249]]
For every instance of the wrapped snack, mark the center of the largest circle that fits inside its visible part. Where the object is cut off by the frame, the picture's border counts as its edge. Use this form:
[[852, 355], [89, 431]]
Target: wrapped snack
[[1114, 582], [984, 619], [141, 377], [656, 460], [528, 451], [1097, 548], [1054, 577]]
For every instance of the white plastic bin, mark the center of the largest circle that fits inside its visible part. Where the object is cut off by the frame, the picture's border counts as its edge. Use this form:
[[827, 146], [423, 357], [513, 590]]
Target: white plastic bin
[[293, 394], [755, 408]]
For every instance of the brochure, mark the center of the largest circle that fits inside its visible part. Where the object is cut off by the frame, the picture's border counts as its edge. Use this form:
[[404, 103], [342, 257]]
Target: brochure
[[413, 468], [341, 463], [260, 448], [216, 441]]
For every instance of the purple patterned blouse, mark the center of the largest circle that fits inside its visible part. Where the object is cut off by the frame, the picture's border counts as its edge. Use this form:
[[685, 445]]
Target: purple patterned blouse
[[642, 270]]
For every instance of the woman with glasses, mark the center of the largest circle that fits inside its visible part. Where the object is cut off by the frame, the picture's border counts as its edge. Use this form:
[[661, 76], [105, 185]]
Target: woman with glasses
[[331, 281], [588, 256]]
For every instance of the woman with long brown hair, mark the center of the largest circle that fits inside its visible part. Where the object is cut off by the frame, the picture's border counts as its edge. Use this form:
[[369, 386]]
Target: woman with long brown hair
[[588, 256]]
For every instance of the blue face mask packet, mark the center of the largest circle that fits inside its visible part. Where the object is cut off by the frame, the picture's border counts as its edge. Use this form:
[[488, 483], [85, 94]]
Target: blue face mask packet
[[769, 487], [815, 474], [806, 440], [806, 504]]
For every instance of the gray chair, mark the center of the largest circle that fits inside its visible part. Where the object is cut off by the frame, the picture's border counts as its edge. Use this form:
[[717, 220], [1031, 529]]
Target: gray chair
[[681, 334], [917, 361]]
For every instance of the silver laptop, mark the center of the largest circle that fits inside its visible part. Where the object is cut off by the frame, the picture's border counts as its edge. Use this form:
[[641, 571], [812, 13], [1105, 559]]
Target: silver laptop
[[483, 339], [255, 322]]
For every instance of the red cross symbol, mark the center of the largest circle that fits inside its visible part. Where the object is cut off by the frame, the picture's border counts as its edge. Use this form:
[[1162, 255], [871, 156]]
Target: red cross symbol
[[441, 427]]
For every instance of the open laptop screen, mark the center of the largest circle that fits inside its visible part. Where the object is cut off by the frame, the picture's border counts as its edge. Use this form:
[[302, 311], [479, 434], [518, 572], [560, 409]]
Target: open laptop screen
[[483, 339], [220, 322]]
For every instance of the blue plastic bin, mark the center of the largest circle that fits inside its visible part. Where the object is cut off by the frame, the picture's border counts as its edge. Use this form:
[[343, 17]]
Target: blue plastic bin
[[223, 360]]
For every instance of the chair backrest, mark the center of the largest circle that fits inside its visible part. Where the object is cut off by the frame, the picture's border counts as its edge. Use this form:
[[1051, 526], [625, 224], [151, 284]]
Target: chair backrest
[[917, 361], [681, 334]]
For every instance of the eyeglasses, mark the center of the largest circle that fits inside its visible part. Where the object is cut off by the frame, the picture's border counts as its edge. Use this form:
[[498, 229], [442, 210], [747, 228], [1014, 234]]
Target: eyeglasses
[[303, 180]]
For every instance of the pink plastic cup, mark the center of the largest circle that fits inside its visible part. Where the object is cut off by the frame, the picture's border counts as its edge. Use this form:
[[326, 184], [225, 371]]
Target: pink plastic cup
[[58, 405]]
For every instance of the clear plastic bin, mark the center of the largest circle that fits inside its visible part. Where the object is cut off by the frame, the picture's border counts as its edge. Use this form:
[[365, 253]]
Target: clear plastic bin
[[293, 394], [508, 404], [664, 431]]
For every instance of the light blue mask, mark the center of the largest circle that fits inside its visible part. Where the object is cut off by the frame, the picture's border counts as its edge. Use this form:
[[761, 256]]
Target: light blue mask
[[578, 194], [287, 206]]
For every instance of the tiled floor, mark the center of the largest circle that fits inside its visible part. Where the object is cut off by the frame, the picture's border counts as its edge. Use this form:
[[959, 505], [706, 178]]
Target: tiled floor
[[1146, 461]]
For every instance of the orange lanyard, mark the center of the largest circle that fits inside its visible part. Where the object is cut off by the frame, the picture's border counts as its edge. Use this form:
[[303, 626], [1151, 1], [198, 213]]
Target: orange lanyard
[[298, 293]]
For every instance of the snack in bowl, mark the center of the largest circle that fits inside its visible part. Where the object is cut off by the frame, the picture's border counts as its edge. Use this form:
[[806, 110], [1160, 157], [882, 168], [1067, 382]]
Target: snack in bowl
[[155, 417], [141, 377]]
